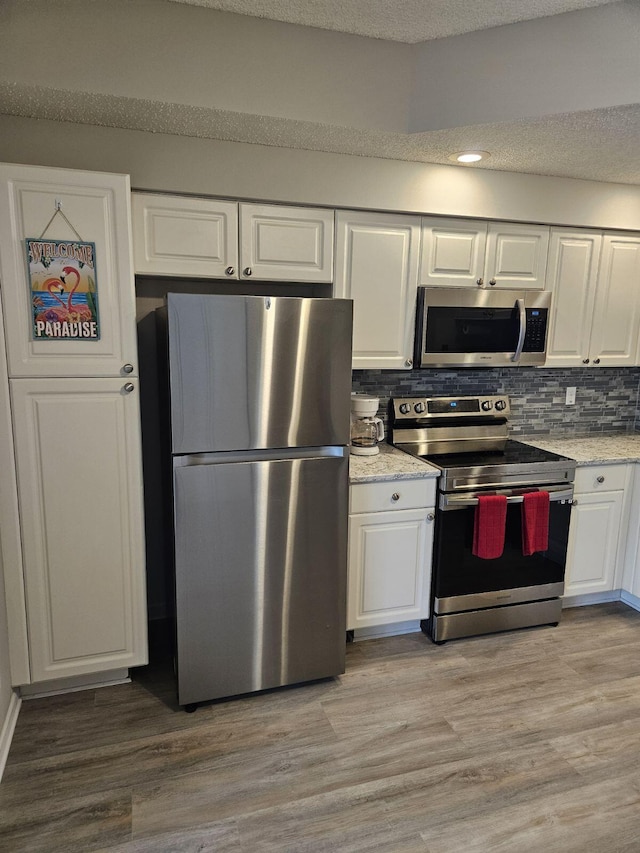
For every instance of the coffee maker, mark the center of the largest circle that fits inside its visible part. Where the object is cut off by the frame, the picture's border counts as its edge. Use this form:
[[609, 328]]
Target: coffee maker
[[366, 430]]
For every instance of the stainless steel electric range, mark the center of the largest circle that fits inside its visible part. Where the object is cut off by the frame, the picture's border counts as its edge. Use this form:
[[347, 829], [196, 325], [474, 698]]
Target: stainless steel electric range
[[467, 439]]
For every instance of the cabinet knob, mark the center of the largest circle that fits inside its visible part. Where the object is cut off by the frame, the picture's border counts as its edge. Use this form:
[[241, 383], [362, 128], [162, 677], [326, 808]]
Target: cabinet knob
[[395, 496], [596, 361], [230, 270], [480, 282], [431, 516], [573, 502], [585, 361], [248, 271], [600, 479], [408, 363], [129, 387], [127, 368], [492, 282]]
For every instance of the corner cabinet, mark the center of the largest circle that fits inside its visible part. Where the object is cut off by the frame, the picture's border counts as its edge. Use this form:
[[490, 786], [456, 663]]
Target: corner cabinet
[[472, 253], [76, 583], [390, 546], [377, 266], [595, 280], [212, 238], [595, 552]]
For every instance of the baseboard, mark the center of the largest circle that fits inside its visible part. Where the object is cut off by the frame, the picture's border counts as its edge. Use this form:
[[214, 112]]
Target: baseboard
[[8, 728], [392, 630], [74, 684], [592, 598], [631, 600]]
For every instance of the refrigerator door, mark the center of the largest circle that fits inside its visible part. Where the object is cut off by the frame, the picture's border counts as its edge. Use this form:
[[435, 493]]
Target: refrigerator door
[[260, 573], [258, 372]]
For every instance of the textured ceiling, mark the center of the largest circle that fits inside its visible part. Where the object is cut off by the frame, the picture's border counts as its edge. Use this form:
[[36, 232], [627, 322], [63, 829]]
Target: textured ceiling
[[599, 145], [409, 21], [595, 144]]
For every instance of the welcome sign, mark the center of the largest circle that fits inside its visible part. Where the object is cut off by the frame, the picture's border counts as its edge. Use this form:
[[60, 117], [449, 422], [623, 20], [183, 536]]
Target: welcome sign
[[64, 293]]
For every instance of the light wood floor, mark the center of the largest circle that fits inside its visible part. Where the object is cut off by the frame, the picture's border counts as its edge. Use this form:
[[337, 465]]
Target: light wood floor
[[527, 741]]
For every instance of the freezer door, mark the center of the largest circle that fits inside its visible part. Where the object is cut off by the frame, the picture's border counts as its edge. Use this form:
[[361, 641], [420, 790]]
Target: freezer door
[[258, 372], [261, 551]]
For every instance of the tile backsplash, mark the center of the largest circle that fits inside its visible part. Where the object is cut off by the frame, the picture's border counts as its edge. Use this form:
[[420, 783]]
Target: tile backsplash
[[606, 398]]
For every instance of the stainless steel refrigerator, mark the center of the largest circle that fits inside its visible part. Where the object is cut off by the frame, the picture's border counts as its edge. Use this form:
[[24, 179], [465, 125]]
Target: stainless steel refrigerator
[[259, 410]]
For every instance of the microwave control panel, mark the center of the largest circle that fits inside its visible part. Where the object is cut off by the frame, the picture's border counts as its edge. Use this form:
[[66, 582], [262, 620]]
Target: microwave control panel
[[536, 333]]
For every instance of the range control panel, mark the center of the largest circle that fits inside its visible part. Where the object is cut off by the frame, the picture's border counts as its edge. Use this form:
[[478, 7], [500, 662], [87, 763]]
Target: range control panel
[[405, 408]]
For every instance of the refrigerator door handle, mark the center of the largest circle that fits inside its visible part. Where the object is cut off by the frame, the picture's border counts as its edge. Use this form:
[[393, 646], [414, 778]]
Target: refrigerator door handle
[[223, 457]]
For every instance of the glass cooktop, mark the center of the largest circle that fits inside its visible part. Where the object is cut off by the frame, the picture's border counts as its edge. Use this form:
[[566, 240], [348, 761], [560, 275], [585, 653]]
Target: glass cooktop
[[515, 453], [517, 465]]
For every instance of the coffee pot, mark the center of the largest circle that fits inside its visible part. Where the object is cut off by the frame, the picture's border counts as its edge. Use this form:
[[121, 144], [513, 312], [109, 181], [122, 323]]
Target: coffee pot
[[366, 430]]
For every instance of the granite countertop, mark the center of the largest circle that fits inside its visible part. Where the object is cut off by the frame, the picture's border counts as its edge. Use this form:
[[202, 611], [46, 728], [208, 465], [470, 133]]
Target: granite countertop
[[592, 450], [389, 464]]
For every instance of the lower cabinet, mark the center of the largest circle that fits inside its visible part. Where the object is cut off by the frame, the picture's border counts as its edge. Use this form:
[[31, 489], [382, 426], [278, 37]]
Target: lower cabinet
[[77, 444], [597, 533], [390, 546]]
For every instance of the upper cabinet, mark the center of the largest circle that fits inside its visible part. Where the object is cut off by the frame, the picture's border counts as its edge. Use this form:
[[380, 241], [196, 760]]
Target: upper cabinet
[[208, 238], [286, 243], [66, 271], [472, 253], [595, 279], [377, 266], [178, 236]]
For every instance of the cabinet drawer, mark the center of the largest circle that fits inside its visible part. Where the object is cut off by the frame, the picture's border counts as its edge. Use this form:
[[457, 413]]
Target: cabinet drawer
[[392, 494], [587, 479]]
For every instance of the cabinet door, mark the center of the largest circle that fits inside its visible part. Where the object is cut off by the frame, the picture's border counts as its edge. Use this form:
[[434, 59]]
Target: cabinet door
[[79, 483], [616, 319], [179, 236], [389, 567], [593, 543], [377, 267], [572, 275], [286, 243], [516, 255], [453, 252], [94, 208]]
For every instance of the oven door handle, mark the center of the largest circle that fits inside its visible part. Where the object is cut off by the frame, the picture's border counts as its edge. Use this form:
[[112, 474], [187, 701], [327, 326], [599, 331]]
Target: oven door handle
[[556, 493], [523, 329]]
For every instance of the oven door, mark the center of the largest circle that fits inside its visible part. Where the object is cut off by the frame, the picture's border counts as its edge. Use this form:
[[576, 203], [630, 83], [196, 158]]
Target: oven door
[[462, 582]]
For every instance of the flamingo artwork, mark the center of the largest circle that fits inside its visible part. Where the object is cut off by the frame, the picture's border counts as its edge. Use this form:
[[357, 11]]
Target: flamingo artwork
[[77, 313], [54, 314]]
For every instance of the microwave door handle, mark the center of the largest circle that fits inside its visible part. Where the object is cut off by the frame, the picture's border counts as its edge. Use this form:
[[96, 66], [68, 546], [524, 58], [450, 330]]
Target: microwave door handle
[[523, 329]]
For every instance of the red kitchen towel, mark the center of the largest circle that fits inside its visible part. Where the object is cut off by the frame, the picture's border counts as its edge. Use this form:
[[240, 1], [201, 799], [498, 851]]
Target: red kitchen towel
[[535, 522], [489, 526]]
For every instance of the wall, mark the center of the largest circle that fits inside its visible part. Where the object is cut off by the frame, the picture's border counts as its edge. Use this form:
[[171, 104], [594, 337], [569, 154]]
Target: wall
[[606, 399], [158, 161]]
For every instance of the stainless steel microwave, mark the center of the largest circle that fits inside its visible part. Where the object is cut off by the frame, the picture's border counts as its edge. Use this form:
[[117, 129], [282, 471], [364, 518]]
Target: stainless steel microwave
[[457, 327]]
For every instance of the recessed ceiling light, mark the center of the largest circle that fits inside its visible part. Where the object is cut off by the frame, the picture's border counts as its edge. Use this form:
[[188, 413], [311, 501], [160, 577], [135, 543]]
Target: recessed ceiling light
[[469, 156]]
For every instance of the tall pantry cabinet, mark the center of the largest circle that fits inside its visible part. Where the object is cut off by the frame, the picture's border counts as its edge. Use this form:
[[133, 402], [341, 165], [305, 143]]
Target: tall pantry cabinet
[[71, 523]]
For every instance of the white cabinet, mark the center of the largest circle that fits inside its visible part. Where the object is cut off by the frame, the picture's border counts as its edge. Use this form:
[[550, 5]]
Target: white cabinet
[[389, 552], [209, 238], [631, 576], [472, 253], [72, 516], [377, 258], [286, 243], [595, 552], [80, 497], [181, 236], [94, 207], [595, 279]]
